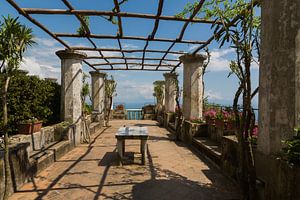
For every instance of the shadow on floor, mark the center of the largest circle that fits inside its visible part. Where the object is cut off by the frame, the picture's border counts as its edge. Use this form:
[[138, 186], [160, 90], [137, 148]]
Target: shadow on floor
[[162, 184], [168, 185]]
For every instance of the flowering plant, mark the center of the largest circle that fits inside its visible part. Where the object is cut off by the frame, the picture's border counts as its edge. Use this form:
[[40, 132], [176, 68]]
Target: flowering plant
[[212, 113]]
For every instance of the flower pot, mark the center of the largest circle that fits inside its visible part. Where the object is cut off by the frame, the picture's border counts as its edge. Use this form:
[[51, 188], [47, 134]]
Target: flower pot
[[230, 125], [220, 123], [210, 121], [28, 128]]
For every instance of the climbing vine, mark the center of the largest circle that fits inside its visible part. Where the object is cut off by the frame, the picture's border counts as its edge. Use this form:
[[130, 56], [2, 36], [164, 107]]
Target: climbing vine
[[110, 92]]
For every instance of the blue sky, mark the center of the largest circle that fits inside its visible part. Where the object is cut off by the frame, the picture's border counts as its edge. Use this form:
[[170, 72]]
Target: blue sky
[[133, 86]]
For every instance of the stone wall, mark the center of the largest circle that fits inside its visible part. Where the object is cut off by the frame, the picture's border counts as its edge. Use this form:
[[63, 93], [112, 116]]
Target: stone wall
[[30, 154], [277, 179]]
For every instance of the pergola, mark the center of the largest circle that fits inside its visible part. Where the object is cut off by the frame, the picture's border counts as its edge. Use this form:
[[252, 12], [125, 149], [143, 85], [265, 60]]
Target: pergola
[[109, 63], [279, 73]]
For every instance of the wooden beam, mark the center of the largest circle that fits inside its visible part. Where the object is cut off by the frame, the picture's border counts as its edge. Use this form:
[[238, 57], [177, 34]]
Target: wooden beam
[[83, 23], [129, 38], [137, 69], [196, 10], [159, 11], [164, 56], [117, 7], [131, 58], [132, 63], [109, 13], [123, 55], [21, 11], [125, 50]]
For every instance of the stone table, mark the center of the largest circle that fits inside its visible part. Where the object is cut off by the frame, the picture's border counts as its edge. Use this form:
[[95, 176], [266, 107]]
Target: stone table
[[132, 133]]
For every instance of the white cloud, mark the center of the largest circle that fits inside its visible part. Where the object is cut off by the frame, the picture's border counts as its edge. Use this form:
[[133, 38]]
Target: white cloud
[[41, 60], [212, 95], [131, 90], [219, 60]]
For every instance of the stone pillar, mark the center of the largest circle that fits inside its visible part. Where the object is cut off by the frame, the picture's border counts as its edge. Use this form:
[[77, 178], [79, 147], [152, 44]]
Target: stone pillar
[[192, 85], [98, 94], [170, 91], [71, 84], [279, 74]]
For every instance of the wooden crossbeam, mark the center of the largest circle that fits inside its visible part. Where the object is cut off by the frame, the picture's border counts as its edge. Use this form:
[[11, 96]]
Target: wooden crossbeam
[[133, 63], [134, 69], [129, 38], [126, 50], [85, 26], [109, 13], [159, 11], [117, 7], [131, 58], [123, 55], [196, 10], [26, 15], [166, 53]]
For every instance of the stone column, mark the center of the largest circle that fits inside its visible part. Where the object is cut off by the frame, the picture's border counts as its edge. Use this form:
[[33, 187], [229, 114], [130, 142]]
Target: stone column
[[192, 85], [279, 74], [170, 91], [98, 94], [71, 84]]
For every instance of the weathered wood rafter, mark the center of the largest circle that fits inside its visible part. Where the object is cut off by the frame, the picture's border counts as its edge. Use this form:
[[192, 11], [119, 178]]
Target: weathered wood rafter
[[116, 12]]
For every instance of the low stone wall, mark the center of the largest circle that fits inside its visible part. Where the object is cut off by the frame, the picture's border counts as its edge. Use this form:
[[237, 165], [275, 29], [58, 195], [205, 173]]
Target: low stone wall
[[30, 154], [229, 156], [191, 130], [46, 136], [279, 179]]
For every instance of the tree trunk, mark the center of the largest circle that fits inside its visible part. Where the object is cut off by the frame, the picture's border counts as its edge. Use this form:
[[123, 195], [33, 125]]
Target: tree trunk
[[8, 181], [180, 120], [108, 113]]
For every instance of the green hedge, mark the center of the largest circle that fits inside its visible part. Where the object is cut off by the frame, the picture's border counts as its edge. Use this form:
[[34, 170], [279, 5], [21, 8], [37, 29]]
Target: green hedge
[[30, 96]]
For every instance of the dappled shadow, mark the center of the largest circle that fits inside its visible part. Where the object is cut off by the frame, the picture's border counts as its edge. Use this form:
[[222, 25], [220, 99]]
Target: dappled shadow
[[155, 180], [168, 185], [44, 192]]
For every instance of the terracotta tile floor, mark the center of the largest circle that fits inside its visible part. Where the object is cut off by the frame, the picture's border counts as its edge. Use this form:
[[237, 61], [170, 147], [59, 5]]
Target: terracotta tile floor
[[91, 171]]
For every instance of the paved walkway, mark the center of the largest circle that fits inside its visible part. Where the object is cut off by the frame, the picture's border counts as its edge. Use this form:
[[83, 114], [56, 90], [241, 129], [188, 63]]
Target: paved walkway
[[91, 172]]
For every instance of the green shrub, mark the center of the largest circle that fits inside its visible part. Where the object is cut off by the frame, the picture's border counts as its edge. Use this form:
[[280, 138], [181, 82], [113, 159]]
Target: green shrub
[[292, 149], [30, 96]]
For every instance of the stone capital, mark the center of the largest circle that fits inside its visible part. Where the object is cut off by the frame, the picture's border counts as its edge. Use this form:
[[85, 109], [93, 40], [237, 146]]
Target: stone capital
[[71, 54], [97, 74], [192, 58]]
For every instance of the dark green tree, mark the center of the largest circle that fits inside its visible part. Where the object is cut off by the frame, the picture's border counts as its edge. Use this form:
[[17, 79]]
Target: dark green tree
[[14, 40]]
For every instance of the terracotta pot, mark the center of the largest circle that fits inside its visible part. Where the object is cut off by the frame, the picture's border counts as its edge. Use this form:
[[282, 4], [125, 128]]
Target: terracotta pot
[[230, 125], [210, 121], [220, 123], [28, 128]]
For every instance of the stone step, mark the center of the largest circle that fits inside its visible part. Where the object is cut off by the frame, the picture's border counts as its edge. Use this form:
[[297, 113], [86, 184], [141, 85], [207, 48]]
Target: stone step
[[41, 159], [209, 148]]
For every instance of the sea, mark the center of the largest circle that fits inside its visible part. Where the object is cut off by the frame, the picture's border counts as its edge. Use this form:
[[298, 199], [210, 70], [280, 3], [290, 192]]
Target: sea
[[133, 105], [140, 105]]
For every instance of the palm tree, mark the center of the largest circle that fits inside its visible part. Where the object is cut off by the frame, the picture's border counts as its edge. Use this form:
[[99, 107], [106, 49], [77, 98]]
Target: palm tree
[[14, 40]]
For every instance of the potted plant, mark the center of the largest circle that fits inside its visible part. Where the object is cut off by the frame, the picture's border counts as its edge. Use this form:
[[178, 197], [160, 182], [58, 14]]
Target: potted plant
[[210, 116], [29, 126], [220, 116]]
